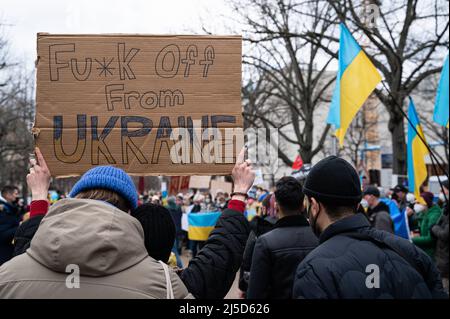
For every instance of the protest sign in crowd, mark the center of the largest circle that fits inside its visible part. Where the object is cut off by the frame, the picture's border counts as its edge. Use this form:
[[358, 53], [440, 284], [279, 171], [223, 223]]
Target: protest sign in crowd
[[170, 105]]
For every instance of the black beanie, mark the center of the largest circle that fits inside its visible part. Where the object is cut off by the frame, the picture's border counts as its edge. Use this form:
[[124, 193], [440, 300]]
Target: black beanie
[[333, 181], [159, 230]]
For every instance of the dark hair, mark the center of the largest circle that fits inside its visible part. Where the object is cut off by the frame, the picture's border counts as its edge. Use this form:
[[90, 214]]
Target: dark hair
[[394, 196], [105, 195], [159, 230], [338, 212], [289, 195], [8, 189]]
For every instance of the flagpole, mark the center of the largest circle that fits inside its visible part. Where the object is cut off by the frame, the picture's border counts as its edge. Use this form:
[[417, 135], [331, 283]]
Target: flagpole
[[334, 145], [432, 156]]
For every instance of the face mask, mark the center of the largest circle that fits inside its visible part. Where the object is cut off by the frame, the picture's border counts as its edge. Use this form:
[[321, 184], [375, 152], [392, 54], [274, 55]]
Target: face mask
[[207, 201], [410, 198], [364, 203], [419, 208], [313, 220]]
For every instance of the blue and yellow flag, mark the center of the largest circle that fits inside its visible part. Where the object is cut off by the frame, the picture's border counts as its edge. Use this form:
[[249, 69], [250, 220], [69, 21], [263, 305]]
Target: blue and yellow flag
[[357, 78], [417, 169], [201, 225], [442, 103]]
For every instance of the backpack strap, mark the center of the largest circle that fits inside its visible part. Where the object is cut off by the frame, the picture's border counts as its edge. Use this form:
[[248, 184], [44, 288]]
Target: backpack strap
[[382, 244], [168, 281]]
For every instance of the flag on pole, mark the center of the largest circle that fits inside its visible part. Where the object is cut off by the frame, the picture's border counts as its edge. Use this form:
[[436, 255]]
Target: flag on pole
[[442, 103], [357, 77], [298, 163], [417, 169]]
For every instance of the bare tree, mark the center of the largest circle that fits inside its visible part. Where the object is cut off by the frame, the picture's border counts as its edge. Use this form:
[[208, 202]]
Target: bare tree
[[406, 44], [16, 116], [436, 135], [286, 85], [358, 135]]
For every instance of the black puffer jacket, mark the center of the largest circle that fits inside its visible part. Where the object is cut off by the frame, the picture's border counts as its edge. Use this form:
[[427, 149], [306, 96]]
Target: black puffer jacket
[[341, 266], [211, 273], [259, 226], [277, 255], [25, 234], [440, 231]]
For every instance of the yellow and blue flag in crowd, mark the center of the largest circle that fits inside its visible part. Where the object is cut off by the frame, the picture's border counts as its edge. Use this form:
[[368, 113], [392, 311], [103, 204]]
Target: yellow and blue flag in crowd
[[357, 78], [442, 103], [417, 150], [250, 214], [201, 225], [399, 218]]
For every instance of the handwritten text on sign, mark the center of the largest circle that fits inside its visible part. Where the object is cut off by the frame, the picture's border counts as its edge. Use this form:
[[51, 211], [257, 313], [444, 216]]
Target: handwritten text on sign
[[149, 104]]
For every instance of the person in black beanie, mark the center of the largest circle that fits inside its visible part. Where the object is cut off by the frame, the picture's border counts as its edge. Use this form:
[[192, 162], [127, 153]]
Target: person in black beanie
[[354, 260], [159, 230]]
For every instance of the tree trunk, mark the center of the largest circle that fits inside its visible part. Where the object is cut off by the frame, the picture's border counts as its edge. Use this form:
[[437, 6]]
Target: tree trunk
[[396, 127], [306, 150]]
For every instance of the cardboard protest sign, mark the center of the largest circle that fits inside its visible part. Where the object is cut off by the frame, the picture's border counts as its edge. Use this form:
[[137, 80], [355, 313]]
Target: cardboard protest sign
[[148, 104], [225, 187], [199, 182]]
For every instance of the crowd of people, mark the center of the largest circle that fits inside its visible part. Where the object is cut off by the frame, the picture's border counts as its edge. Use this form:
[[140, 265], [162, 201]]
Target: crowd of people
[[318, 236]]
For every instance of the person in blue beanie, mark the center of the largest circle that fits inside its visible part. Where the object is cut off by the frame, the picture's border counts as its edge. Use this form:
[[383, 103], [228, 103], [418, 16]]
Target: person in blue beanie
[[88, 246]]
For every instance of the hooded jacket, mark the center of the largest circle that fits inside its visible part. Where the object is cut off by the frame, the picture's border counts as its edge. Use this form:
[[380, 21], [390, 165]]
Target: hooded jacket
[[102, 243]]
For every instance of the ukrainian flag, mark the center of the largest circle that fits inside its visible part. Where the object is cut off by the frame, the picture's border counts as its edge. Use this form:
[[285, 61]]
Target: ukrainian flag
[[357, 78], [250, 214], [417, 169], [201, 225], [442, 103]]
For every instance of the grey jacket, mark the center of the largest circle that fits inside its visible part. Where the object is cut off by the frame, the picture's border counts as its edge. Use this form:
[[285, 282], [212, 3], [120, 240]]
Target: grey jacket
[[104, 243], [380, 218]]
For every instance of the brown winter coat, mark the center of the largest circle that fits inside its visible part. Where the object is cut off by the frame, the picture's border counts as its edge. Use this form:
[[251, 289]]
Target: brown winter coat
[[105, 243]]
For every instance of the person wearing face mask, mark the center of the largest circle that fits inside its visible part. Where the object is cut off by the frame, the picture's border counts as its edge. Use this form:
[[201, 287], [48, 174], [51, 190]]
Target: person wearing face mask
[[428, 216], [353, 258], [9, 221], [440, 232], [377, 212]]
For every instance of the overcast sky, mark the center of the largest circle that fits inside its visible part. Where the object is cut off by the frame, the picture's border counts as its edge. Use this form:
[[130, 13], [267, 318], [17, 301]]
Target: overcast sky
[[22, 19]]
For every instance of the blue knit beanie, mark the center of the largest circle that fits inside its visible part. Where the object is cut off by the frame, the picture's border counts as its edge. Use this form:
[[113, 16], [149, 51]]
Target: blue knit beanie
[[108, 177]]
